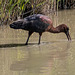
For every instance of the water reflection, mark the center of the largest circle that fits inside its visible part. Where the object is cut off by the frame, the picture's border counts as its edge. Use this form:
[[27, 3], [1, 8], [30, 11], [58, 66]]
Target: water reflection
[[43, 62]]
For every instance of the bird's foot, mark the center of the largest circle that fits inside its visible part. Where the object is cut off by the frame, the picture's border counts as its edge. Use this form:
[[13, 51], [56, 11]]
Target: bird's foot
[[38, 43], [26, 43]]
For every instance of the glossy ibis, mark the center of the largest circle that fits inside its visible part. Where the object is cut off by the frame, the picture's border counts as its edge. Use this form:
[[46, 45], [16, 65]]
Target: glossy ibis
[[39, 23]]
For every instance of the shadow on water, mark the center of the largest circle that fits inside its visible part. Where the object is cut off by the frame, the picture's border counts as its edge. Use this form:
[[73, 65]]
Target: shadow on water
[[15, 45], [23, 44], [10, 45], [19, 45]]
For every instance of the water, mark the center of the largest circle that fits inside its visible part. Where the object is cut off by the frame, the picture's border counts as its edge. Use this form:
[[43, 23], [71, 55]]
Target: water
[[54, 56]]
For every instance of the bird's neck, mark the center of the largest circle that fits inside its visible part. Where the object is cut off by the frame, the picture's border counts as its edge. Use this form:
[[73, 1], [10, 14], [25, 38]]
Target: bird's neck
[[54, 29]]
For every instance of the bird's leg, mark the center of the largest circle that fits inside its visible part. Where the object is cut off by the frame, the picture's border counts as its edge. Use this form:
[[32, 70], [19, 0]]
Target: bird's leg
[[29, 34], [39, 37]]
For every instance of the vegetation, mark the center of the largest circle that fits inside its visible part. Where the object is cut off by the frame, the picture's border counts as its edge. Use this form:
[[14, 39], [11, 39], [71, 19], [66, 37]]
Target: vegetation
[[12, 9]]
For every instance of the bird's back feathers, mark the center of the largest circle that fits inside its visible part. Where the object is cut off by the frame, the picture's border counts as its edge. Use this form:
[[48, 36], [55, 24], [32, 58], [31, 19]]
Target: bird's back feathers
[[35, 23]]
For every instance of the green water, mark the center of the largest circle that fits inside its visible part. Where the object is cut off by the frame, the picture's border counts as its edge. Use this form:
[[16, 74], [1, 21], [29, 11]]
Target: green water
[[54, 56]]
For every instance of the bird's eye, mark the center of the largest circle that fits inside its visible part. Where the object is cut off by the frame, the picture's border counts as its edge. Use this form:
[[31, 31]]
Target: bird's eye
[[14, 23]]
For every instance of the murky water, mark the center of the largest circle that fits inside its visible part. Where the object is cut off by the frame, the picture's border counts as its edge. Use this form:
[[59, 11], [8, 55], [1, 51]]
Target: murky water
[[54, 56]]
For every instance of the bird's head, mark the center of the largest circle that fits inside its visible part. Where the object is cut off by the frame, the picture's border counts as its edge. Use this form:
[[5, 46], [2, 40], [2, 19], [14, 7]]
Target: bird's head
[[64, 28], [16, 25]]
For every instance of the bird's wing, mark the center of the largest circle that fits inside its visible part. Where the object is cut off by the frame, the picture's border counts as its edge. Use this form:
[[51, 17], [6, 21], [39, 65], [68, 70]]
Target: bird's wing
[[36, 23]]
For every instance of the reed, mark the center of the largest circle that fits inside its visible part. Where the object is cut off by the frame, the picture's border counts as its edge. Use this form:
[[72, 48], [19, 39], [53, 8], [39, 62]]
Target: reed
[[11, 9]]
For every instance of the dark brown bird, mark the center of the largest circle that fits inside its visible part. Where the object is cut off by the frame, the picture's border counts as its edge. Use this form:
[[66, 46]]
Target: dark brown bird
[[39, 23]]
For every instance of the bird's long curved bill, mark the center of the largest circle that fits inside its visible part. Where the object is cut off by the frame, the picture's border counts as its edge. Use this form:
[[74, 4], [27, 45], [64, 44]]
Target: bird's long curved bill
[[68, 35]]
